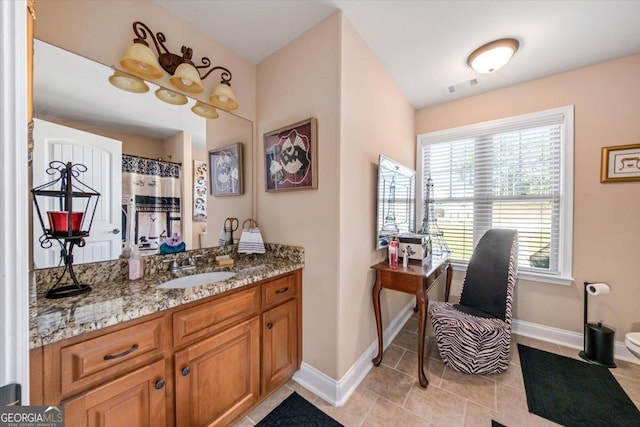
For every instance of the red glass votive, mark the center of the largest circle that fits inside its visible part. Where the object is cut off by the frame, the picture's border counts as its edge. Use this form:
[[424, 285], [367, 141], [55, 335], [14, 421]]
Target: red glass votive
[[58, 220]]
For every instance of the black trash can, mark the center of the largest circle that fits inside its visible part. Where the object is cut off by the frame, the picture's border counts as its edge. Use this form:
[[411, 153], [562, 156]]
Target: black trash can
[[599, 345]]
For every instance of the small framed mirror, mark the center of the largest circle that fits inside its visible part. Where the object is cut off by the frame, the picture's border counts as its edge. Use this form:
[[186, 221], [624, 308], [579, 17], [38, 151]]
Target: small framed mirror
[[396, 200]]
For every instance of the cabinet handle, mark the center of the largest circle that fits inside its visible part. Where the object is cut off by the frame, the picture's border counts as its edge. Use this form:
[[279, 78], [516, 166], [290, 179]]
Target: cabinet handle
[[124, 353], [282, 291], [269, 325], [159, 384], [185, 371]]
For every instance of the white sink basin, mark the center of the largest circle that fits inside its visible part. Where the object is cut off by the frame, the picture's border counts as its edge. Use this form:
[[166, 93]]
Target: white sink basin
[[197, 280]]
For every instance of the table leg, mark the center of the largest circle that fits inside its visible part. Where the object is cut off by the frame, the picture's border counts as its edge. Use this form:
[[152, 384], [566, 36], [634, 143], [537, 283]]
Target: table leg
[[447, 287], [375, 293], [423, 300]]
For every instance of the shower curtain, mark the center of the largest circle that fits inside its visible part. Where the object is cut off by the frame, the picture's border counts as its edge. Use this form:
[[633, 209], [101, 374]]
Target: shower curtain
[[151, 200]]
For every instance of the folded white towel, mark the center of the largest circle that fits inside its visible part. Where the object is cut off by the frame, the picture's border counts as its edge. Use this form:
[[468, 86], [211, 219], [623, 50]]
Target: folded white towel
[[251, 242]]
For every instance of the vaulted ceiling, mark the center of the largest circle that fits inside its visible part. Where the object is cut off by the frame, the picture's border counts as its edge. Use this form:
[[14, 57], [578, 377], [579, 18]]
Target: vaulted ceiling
[[423, 45]]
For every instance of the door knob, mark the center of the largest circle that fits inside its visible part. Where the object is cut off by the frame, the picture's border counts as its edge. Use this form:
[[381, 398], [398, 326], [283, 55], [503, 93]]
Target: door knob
[[185, 371], [269, 325], [115, 231], [159, 384]]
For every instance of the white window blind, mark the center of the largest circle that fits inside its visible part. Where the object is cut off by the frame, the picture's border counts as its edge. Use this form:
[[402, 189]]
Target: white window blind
[[511, 173]]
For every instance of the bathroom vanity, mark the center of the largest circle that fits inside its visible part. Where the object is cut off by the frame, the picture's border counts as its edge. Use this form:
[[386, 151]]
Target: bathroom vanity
[[196, 356]]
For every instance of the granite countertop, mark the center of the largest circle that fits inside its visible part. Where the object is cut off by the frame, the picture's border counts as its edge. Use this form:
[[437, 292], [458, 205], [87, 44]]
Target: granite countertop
[[115, 299]]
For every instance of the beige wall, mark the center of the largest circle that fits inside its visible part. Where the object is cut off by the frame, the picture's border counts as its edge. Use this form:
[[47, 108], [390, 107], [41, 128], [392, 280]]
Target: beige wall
[[102, 30], [299, 81], [375, 119], [606, 229], [361, 114]]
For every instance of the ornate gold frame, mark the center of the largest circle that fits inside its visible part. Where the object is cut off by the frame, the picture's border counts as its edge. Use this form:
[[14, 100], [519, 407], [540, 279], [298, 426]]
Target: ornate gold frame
[[607, 153]]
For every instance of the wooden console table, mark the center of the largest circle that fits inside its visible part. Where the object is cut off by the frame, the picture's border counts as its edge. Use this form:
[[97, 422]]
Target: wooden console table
[[415, 279]]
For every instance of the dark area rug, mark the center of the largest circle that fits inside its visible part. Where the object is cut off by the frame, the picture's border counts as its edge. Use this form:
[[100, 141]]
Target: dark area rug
[[574, 393], [296, 411]]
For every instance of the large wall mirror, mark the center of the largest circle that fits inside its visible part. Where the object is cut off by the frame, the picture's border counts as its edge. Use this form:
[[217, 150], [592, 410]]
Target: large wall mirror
[[74, 101]]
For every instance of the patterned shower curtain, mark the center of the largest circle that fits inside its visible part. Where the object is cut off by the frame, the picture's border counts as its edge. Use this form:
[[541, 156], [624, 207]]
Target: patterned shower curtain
[[152, 189]]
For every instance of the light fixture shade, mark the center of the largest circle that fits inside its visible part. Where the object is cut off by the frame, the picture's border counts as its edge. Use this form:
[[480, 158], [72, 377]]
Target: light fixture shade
[[205, 110], [223, 97], [493, 56], [187, 79], [128, 82], [171, 97], [140, 60]]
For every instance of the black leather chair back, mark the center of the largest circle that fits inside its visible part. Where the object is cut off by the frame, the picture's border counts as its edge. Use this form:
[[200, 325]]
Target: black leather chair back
[[484, 292]]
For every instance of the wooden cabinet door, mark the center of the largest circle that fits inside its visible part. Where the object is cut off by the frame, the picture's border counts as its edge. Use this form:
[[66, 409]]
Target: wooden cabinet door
[[280, 345], [218, 378], [134, 400]]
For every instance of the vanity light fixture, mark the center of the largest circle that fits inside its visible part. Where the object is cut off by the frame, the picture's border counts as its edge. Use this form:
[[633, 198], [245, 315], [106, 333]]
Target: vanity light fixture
[[205, 110], [186, 78], [223, 98], [170, 97], [128, 82], [140, 60], [492, 56]]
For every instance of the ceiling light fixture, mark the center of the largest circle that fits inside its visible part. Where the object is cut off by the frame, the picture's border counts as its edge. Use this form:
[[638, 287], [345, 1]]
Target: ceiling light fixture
[[140, 60], [492, 56]]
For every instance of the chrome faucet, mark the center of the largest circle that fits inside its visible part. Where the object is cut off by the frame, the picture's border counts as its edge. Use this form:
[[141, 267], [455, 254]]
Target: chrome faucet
[[180, 264]]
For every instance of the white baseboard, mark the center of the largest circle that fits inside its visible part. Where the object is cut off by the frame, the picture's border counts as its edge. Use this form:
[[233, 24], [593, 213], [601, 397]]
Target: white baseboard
[[338, 392], [566, 338]]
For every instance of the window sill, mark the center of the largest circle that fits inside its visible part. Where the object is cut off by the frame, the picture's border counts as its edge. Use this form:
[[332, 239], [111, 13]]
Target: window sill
[[544, 278], [531, 277]]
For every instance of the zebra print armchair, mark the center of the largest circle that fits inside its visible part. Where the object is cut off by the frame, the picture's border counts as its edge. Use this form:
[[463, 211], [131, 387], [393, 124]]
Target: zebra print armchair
[[474, 336]]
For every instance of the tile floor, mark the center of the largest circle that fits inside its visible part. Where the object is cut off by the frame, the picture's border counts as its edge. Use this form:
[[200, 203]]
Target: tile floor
[[391, 396]]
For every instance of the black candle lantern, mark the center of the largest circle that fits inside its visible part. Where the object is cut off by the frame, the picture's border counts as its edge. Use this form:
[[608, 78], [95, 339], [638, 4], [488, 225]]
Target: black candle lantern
[[70, 206]]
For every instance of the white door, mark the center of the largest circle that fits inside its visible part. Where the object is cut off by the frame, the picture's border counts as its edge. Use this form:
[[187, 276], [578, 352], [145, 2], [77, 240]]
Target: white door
[[103, 159]]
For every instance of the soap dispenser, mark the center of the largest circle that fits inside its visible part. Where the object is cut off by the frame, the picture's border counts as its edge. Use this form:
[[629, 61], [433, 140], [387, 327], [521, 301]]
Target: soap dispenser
[[136, 265]]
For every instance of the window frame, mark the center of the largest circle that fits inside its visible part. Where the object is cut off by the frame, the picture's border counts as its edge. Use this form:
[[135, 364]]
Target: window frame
[[523, 121]]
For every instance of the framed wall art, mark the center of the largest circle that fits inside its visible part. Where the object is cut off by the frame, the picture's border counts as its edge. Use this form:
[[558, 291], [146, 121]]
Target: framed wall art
[[290, 157], [620, 163], [200, 190], [225, 167]]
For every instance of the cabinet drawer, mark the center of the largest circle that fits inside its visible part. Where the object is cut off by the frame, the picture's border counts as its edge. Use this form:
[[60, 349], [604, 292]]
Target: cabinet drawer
[[205, 319], [104, 357], [278, 290]]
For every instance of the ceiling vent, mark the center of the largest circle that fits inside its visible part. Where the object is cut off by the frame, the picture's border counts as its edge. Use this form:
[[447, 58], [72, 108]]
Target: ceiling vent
[[461, 86]]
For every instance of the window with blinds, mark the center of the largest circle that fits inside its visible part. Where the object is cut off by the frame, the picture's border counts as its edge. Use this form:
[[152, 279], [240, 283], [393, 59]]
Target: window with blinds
[[512, 173]]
